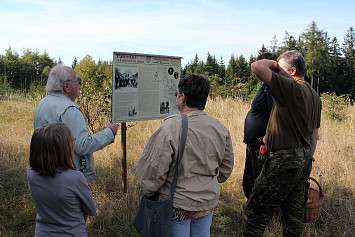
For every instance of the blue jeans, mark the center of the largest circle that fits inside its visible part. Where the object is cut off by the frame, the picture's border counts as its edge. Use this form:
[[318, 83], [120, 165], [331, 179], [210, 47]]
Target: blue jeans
[[197, 227]]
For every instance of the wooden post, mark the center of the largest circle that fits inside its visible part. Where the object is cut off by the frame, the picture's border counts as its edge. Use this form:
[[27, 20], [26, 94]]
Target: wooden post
[[124, 157]]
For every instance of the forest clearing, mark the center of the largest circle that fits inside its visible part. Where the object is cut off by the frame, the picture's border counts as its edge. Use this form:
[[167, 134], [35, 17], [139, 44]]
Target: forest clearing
[[333, 167]]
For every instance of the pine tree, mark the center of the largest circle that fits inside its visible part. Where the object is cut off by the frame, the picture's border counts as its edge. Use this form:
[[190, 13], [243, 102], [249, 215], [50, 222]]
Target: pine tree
[[274, 48], [335, 78], [211, 65], [222, 69], [262, 50], [231, 71], [349, 53], [242, 69], [315, 45], [75, 61], [289, 43]]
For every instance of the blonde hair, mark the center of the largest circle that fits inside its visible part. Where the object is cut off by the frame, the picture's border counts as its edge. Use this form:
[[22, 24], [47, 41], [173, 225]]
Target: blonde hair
[[52, 149]]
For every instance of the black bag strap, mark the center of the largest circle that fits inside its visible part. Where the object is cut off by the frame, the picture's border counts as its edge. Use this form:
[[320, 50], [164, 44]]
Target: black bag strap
[[180, 152]]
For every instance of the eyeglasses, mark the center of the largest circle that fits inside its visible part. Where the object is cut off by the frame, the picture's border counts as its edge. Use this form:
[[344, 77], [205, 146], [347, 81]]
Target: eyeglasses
[[177, 94], [78, 80]]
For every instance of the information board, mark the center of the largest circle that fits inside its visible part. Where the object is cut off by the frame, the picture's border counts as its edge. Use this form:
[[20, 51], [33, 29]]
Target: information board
[[144, 86]]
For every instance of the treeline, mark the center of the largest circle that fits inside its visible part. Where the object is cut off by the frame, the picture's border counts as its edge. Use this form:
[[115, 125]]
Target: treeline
[[29, 73], [330, 66], [20, 72]]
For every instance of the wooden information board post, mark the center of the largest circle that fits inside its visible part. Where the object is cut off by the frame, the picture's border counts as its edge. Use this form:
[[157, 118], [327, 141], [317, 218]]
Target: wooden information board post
[[124, 156]]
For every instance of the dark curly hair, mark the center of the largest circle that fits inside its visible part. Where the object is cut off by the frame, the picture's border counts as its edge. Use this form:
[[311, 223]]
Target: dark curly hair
[[195, 89]]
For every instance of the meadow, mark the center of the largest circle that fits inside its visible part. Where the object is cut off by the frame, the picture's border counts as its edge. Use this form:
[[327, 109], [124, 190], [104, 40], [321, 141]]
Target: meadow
[[334, 168]]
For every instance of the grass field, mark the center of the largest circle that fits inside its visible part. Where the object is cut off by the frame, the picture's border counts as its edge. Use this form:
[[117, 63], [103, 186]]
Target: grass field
[[334, 167]]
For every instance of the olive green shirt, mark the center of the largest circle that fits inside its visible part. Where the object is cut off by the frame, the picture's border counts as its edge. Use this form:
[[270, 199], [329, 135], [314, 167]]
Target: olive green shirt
[[295, 115]]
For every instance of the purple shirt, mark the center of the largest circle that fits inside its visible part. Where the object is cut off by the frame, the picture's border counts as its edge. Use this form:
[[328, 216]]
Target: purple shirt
[[61, 203]]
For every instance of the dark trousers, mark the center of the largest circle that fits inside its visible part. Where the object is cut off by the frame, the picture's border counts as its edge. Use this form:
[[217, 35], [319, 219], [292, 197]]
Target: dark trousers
[[252, 169], [281, 184]]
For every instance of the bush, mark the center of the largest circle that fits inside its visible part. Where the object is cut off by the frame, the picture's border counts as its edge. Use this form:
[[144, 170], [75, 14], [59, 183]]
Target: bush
[[36, 91], [335, 106], [96, 92], [5, 87]]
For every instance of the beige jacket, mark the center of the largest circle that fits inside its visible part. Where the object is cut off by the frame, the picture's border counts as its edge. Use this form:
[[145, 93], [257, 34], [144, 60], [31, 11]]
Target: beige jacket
[[208, 160]]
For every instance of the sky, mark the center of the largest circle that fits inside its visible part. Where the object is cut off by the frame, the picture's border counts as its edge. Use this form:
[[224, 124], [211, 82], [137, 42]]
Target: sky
[[75, 28]]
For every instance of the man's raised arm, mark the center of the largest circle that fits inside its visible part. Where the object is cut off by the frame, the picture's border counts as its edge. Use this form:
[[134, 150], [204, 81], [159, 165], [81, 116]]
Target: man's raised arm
[[263, 69]]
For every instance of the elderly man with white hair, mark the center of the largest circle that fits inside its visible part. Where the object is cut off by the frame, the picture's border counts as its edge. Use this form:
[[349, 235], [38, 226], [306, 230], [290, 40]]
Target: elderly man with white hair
[[63, 87]]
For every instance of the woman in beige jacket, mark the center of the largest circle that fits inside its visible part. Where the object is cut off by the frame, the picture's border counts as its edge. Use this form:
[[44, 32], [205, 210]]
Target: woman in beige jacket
[[207, 160]]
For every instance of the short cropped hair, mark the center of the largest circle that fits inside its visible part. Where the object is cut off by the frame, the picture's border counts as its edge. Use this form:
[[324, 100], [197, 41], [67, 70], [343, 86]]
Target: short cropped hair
[[57, 76], [195, 89], [267, 55], [295, 59], [52, 149]]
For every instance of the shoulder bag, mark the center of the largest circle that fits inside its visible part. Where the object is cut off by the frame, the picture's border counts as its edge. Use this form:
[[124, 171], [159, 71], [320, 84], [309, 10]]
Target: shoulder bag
[[154, 218]]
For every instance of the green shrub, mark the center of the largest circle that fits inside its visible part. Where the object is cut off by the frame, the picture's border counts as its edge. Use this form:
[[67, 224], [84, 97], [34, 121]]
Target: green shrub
[[5, 87], [335, 106], [36, 91], [96, 92]]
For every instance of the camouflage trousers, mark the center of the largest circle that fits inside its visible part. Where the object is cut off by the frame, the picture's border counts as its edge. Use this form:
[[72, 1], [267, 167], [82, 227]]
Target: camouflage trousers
[[252, 169], [280, 185]]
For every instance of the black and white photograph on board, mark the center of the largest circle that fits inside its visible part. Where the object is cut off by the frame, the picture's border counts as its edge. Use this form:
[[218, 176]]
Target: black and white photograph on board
[[126, 78], [164, 107]]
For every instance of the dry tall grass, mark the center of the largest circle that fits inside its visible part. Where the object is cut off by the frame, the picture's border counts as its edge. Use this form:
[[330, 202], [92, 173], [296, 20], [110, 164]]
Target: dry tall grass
[[334, 162]]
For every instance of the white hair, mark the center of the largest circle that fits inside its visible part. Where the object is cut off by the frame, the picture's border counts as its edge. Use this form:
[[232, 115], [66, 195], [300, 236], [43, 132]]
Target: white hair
[[57, 76]]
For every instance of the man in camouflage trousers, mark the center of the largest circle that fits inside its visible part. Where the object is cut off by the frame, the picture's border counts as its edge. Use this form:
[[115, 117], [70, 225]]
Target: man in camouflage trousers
[[291, 139]]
